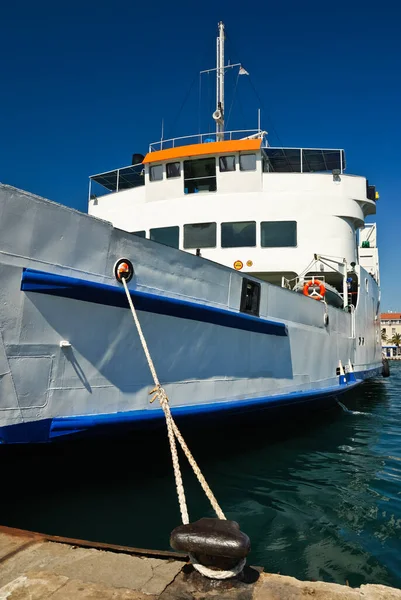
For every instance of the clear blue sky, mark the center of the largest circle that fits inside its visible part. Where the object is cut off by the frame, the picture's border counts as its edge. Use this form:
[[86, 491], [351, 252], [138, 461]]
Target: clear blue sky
[[85, 84]]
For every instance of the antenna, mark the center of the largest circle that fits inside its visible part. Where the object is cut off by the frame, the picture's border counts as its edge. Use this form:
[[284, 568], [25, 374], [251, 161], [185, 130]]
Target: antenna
[[218, 114], [220, 84]]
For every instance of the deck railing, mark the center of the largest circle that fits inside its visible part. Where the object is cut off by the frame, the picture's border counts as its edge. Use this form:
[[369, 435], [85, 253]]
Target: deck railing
[[202, 138], [117, 180]]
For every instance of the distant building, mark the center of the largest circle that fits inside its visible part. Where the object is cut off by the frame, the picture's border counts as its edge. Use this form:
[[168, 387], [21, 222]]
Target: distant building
[[390, 326]]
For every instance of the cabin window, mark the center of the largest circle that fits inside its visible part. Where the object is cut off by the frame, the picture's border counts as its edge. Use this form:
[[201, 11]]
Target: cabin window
[[200, 175], [141, 234], [156, 173], [227, 163], [173, 170], [278, 234], [200, 235], [250, 297], [240, 234], [169, 236], [247, 162]]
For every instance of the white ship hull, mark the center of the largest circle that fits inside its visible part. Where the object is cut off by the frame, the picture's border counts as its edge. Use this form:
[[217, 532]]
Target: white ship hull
[[70, 357]]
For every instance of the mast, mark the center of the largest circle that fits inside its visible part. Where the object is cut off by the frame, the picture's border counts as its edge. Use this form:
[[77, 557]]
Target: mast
[[218, 115]]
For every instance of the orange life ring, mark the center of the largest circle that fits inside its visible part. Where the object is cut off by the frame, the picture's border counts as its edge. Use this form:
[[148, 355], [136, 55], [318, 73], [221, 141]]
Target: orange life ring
[[315, 295]]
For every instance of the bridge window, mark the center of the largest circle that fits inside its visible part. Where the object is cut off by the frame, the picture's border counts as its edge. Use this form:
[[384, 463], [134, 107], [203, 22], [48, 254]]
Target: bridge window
[[237, 235], [247, 162], [227, 163], [141, 234], [156, 173], [200, 175], [173, 170], [169, 236], [278, 234], [200, 235]]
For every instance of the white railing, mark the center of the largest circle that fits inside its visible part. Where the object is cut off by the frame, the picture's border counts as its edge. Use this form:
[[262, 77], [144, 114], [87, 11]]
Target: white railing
[[117, 180], [300, 158], [201, 138], [292, 284]]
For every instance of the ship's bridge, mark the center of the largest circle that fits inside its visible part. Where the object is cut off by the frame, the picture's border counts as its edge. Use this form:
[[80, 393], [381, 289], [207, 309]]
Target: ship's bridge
[[233, 198], [202, 161], [166, 157], [225, 163]]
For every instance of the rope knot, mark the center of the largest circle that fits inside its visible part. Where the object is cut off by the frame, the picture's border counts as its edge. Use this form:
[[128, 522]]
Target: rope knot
[[159, 392]]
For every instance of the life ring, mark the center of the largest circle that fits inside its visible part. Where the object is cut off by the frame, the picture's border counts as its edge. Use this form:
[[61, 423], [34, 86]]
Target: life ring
[[316, 295]]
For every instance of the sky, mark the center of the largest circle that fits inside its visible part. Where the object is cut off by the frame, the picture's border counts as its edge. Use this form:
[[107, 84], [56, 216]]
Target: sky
[[86, 84]]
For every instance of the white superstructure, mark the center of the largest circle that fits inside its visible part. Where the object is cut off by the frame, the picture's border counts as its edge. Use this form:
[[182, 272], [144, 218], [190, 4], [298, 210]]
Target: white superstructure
[[279, 220]]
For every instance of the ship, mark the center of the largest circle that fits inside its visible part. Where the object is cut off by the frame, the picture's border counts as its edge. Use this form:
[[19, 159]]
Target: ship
[[252, 269]]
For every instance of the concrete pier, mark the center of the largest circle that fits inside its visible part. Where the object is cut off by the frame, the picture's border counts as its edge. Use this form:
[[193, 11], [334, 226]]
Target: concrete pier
[[35, 566]]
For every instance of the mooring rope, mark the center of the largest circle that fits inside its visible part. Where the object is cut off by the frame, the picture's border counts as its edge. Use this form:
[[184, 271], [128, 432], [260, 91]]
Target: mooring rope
[[172, 429], [174, 433]]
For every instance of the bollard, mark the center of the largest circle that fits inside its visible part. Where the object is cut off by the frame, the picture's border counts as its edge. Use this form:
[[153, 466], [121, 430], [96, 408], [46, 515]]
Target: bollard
[[216, 544]]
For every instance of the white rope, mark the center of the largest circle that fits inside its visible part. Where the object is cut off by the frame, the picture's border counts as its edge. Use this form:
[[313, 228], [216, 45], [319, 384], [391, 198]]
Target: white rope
[[213, 574], [172, 430], [174, 433]]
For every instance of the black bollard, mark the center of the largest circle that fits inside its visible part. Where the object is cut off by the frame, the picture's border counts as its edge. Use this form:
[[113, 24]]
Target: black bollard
[[215, 543]]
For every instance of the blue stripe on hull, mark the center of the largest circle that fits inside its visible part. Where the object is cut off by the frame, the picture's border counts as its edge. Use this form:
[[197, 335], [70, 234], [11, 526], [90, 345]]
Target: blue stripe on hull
[[110, 295], [49, 429]]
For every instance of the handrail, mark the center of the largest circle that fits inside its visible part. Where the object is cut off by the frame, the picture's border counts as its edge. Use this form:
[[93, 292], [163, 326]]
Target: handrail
[[114, 170], [200, 137], [120, 182]]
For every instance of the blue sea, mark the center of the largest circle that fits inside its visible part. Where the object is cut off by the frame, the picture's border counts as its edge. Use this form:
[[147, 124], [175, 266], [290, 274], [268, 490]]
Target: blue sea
[[320, 497]]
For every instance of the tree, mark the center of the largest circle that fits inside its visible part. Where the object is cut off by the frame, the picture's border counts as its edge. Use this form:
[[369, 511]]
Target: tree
[[384, 336], [396, 339]]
